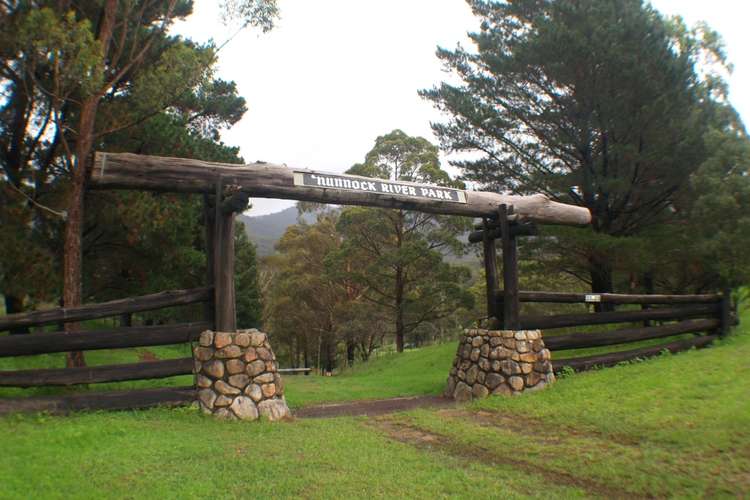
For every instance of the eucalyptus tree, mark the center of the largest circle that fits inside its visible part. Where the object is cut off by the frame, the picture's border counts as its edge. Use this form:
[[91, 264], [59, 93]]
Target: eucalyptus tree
[[397, 256]]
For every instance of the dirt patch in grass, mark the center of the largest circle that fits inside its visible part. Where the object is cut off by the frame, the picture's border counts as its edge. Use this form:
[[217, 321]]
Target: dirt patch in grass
[[146, 355], [372, 407], [534, 427], [427, 440]]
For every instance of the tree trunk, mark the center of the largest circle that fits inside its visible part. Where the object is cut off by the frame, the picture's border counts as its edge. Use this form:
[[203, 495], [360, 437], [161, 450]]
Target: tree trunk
[[14, 304], [72, 252], [600, 270], [83, 148], [350, 346], [399, 292]]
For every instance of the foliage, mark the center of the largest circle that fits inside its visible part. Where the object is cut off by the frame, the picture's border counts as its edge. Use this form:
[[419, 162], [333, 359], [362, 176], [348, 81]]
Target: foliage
[[600, 104], [395, 256], [149, 93], [303, 299], [247, 291]]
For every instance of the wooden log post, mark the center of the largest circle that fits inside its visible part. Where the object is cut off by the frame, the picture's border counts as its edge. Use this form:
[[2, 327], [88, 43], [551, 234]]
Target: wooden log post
[[225, 307], [225, 315], [510, 270], [490, 275], [209, 222]]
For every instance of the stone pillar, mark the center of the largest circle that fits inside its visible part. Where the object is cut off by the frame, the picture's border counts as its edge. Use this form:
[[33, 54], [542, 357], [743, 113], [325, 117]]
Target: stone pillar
[[237, 377], [499, 362]]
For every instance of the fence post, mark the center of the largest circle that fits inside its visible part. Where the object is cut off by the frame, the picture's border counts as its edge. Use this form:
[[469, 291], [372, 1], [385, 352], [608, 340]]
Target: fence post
[[209, 220], [225, 315], [510, 270], [726, 312], [490, 273]]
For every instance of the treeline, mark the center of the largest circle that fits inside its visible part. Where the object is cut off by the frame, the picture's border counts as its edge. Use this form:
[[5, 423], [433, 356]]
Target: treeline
[[361, 278], [611, 106]]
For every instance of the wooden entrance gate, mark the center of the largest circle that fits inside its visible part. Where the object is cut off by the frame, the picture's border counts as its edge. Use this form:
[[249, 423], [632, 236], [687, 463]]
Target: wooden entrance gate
[[226, 189]]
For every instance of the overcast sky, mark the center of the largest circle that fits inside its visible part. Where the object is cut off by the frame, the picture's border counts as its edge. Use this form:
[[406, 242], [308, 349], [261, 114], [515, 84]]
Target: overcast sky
[[335, 74]]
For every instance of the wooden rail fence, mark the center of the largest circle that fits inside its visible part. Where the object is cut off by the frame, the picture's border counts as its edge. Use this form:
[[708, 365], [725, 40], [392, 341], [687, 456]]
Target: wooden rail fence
[[709, 316], [135, 336]]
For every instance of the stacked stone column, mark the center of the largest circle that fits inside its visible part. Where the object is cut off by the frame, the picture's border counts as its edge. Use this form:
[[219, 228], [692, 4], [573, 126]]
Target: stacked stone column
[[499, 362], [237, 377]]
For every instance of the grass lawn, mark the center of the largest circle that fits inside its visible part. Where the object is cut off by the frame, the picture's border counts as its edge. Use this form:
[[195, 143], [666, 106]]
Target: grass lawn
[[673, 426]]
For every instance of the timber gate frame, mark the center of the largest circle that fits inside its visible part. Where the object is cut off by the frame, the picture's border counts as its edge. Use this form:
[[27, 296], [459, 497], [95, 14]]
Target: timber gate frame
[[226, 190]]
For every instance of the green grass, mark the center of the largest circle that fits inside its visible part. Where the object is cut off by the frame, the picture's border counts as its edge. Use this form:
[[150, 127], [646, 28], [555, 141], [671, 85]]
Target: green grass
[[181, 454], [414, 372], [672, 426]]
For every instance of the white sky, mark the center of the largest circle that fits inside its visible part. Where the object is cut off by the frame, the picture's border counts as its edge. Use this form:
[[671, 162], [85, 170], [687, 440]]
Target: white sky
[[335, 74]]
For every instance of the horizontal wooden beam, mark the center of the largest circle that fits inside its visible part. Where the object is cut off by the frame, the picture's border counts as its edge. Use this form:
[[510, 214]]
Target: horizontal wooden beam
[[515, 230], [136, 336], [665, 313], [105, 309], [614, 298], [266, 180], [611, 359], [582, 340], [97, 374], [104, 400]]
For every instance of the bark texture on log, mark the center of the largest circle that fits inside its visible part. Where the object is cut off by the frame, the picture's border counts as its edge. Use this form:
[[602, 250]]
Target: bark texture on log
[[266, 180]]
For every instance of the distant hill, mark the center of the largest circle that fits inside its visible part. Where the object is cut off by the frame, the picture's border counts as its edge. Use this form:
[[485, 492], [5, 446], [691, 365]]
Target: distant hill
[[266, 230]]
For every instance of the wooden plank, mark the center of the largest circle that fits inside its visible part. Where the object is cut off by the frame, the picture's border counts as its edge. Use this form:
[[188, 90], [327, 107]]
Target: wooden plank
[[490, 276], [563, 320], [97, 374], [582, 340], [109, 400], [112, 308], [511, 305], [136, 336], [611, 359], [616, 298], [495, 233], [265, 180]]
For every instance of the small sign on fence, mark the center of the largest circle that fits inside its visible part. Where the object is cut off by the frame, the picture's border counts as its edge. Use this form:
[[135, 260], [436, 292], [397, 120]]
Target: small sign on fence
[[593, 298], [378, 186]]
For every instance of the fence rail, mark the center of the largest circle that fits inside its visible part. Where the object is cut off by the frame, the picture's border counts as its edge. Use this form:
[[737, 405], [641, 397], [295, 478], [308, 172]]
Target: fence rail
[[135, 336], [101, 400], [613, 358], [662, 313], [583, 340], [97, 374], [614, 298], [115, 338], [709, 316], [105, 309]]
